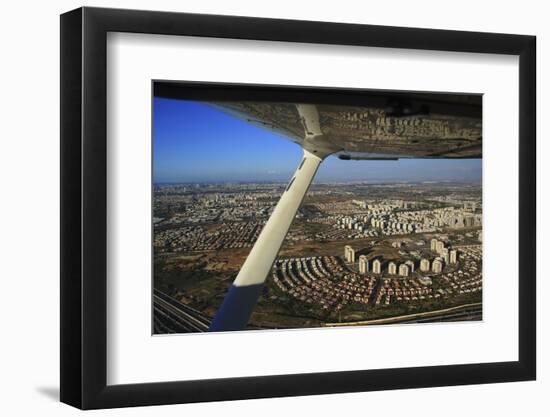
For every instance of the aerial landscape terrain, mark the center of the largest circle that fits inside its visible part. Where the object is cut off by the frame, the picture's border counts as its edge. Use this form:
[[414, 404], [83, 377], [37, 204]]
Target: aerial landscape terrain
[[416, 248]]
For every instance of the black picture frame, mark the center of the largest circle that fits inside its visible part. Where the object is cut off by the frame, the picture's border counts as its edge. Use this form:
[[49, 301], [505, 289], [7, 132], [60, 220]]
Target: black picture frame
[[84, 207]]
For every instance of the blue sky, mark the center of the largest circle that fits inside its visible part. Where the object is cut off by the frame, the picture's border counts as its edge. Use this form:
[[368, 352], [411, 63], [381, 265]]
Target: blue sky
[[194, 142]]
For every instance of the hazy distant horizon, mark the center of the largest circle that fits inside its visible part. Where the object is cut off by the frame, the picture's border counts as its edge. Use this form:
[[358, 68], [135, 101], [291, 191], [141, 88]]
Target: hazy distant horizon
[[316, 182], [196, 143]]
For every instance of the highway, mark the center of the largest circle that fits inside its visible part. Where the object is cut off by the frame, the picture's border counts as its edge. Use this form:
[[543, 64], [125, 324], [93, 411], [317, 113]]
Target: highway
[[171, 316], [459, 313], [467, 315]]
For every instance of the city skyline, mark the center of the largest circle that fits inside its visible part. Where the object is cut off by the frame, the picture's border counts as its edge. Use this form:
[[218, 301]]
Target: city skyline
[[188, 148]]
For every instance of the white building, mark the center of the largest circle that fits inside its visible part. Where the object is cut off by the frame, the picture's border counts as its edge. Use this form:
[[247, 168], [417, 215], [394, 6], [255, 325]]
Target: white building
[[424, 265], [349, 254], [377, 266], [445, 255], [453, 256], [363, 264], [437, 266]]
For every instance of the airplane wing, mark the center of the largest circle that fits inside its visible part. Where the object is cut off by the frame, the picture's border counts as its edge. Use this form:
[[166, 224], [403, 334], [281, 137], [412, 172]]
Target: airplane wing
[[410, 130], [354, 124]]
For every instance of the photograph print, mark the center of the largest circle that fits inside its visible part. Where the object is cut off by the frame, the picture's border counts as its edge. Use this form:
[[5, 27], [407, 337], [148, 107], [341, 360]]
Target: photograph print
[[287, 208]]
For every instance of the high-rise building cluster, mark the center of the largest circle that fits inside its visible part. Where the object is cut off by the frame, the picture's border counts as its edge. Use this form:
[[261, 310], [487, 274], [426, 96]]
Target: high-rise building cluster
[[403, 269], [445, 256], [398, 217]]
